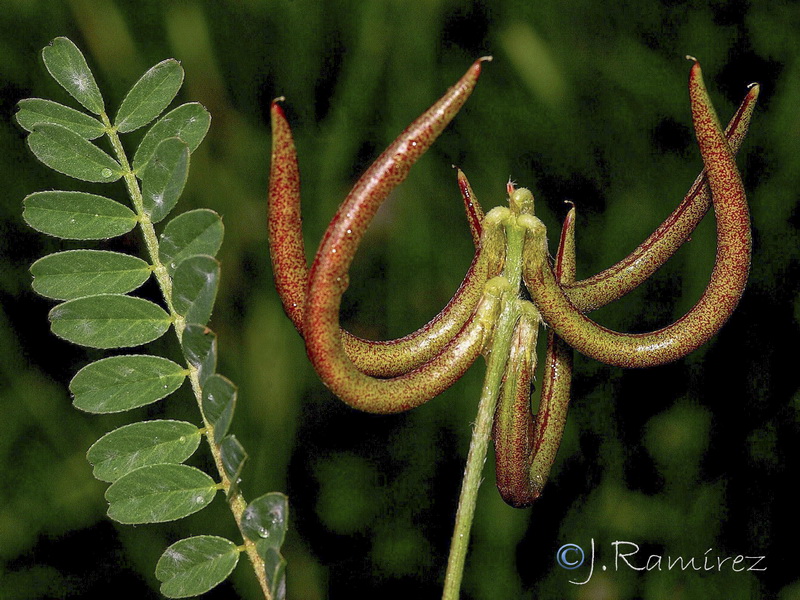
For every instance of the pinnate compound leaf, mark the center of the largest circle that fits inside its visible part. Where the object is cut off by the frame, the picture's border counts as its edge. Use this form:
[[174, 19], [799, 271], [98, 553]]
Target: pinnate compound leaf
[[109, 321], [123, 450], [188, 122], [219, 402], [164, 178], [200, 349], [77, 273], [265, 521], [36, 111], [195, 232], [194, 288], [77, 216], [159, 493], [68, 67], [195, 565], [275, 568], [149, 96], [65, 151], [121, 383]]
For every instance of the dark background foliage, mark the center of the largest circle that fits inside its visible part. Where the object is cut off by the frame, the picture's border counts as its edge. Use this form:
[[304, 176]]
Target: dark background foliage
[[584, 101]]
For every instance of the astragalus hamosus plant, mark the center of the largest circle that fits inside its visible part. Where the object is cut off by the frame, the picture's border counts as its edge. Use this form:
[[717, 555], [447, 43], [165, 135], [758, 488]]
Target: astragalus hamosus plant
[[512, 287]]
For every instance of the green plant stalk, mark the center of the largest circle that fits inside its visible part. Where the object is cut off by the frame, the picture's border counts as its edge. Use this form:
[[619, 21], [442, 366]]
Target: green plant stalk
[[237, 502], [481, 432]]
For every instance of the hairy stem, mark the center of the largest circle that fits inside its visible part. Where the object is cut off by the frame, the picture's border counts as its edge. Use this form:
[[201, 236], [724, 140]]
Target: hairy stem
[[236, 501], [509, 283]]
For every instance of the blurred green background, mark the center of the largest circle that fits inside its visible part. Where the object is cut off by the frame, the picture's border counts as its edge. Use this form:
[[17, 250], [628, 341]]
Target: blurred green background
[[585, 101]]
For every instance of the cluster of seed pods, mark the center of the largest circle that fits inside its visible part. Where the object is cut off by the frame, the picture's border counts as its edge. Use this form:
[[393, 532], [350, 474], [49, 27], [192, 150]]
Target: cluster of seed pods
[[397, 375]]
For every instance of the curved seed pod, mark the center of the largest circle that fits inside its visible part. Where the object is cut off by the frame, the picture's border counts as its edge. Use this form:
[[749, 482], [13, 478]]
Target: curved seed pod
[[472, 207], [525, 448], [328, 274], [557, 378], [512, 430], [720, 297], [285, 219], [287, 252], [619, 279]]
